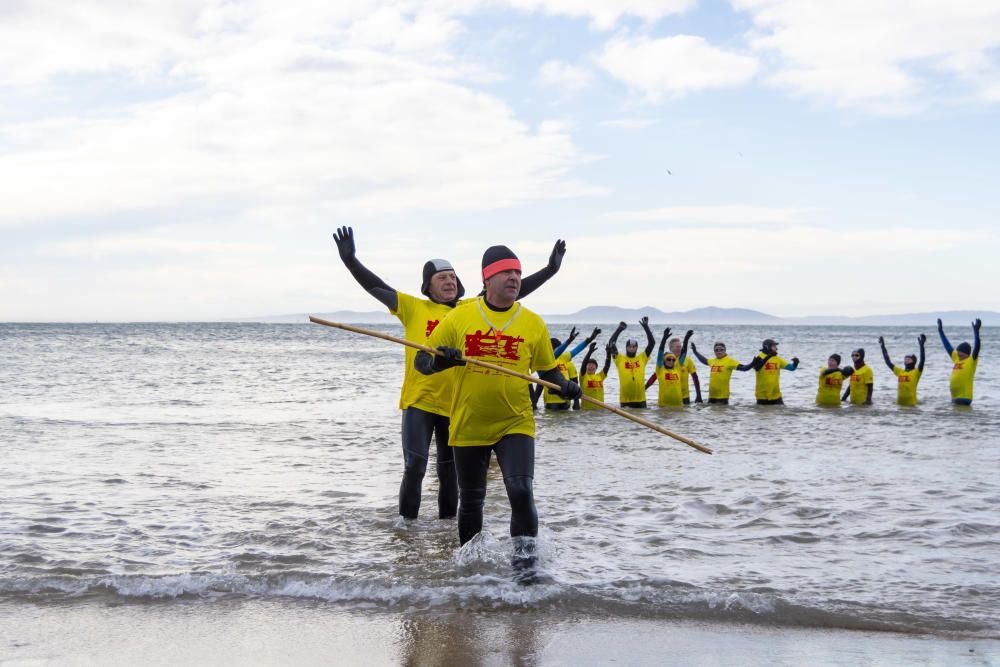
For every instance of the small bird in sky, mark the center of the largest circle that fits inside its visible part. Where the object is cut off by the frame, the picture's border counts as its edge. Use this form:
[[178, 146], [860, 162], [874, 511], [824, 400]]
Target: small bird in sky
[[670, 172]]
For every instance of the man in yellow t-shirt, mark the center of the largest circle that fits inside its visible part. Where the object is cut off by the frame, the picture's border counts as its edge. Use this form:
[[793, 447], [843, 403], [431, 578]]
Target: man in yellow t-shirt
[[965, 358], [669, 372], [721, 369], [564, 357], [908, 376], [425, 401], [831, 379], [491, 412], [592, 382], [632, 366], [768, 366], [862, 380]]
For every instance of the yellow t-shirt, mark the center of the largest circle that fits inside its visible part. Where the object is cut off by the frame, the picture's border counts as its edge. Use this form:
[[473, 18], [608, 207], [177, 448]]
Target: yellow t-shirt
[[432, 393], [670, 388], [563, 363], [487, 405], [593, 386], [906, 392], [631, 377], [830, 387], [721, 370], [860, 379], [769, 379], [686, 370], [963, 373]]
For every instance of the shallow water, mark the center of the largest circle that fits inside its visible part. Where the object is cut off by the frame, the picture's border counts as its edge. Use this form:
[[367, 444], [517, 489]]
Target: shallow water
[[156, 461]]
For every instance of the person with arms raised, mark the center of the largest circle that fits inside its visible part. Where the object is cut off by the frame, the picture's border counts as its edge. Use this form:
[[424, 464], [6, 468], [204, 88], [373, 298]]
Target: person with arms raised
[[908, 376], [632, 366], [966, 359]]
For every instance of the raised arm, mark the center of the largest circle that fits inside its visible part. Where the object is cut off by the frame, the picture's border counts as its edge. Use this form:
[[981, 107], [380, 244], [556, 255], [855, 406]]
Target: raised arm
[[586, 357], [530, 283], [613, 343], [344, 238], [662, 348], [921, 339], [650, 341], [585, 342], [697, 355], [684, 349], [792, 366], [944, 339], [607, 360], [976, 326], [573, 333], [885, 353]]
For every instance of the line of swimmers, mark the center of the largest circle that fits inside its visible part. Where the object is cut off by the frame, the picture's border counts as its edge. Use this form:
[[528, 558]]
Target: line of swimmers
[[675, 370]]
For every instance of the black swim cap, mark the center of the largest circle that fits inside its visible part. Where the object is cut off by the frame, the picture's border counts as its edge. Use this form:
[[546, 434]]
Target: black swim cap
[[499, 258], [433, 266], [631, 341], [860, 352], [767, 344], [964, 347]]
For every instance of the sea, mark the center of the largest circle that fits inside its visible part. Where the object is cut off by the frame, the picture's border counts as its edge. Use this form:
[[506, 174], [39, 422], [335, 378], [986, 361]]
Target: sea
[[167, 463]]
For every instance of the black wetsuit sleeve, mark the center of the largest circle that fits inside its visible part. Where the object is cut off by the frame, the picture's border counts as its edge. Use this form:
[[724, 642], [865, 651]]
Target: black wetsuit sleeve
[[659, 351], [373, 284], [586, 360], [424, 363], [530, 283], [748, 367], [698, 355], [607, 364], [885, 356], [920, 363], [613, 343], [975, 344], [650, 341], [829, 371]]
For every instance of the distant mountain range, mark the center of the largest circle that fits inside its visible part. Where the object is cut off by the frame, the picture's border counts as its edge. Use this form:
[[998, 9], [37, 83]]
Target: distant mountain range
[[710, 315]]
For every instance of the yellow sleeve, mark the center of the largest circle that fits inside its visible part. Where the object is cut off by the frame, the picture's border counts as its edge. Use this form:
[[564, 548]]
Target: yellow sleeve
[[897, 371], [404, 307], [542, 358], [445, 333]]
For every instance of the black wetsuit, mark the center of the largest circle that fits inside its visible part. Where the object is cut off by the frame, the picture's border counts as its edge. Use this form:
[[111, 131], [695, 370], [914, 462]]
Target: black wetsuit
[[419, 425]]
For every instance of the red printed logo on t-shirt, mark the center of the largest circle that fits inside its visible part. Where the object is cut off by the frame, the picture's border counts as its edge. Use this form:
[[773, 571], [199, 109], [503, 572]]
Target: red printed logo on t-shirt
[[431, 325]]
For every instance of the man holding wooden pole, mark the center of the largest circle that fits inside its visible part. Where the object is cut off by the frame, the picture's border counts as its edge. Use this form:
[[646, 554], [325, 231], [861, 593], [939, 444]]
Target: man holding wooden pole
[[425, 401], [491, 412]]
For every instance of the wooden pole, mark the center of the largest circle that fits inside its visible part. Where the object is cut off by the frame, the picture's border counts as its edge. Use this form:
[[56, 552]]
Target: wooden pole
[[506, 371]]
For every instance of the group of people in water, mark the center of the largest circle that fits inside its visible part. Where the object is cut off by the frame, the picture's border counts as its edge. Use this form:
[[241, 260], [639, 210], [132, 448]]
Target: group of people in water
[[473, 412], [675, 371]]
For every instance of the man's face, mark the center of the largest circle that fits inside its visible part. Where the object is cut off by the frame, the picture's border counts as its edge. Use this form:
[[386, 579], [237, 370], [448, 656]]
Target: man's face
[[962, 355], [443, 286], [669, 360], [720, 350], [506, 283], [591, 367], [675, 346], [631, 349], [910, 362], [856, 358], [832, 363]]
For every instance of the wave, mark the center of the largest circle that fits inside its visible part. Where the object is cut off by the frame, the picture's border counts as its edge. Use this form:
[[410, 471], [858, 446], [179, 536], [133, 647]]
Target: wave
[[649, 598]]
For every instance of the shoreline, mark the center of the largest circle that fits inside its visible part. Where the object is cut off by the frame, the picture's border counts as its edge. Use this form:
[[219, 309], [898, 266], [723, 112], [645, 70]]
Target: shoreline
[[277, 632]]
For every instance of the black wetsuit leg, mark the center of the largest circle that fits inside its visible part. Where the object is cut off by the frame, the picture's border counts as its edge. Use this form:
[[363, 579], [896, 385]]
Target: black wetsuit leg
[[447, 479], [634, 404], [471, 465], [766, 401], [557, 406], [516, 456], [686, 401], [721, 401], [418, 427]]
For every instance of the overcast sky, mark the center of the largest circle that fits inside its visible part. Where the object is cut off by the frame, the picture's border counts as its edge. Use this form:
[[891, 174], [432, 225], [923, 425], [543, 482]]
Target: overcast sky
[[190, 159]]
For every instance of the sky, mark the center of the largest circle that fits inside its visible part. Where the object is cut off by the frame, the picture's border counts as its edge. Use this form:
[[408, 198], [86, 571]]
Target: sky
[[190, 160]]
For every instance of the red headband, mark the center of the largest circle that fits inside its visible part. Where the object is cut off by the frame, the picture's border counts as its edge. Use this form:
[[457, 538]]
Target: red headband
[[496, 267]]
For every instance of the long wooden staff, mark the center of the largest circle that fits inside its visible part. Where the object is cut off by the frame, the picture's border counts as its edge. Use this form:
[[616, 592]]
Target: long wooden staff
[[507, 371]]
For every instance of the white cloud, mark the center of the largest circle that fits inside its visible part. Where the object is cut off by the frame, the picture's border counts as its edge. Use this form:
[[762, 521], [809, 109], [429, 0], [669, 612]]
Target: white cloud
[[282, 110], [605, 14], [629, 123], [674, 66], [735, 214], [565, 77], [876, 54], [133, 245]]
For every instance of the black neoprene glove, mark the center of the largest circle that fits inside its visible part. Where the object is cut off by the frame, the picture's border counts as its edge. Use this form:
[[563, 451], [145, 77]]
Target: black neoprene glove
[[556, 258], [449, 358], [571, 391], [344, 238]]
